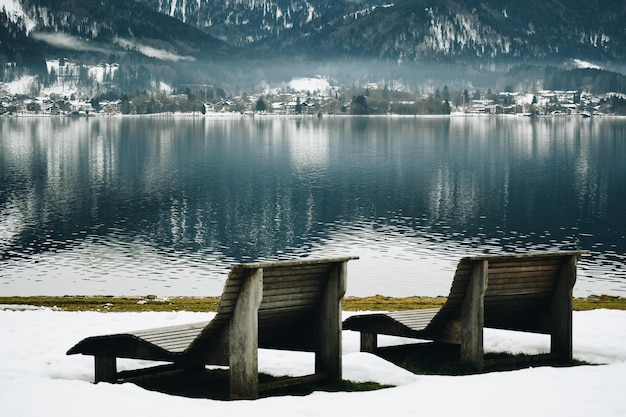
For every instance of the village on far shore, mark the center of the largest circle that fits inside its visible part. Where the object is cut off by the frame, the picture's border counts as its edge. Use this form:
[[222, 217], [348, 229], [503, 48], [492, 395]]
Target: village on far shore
[[301, 96]]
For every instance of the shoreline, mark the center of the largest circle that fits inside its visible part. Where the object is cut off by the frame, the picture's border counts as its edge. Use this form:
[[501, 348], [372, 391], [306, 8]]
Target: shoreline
[[235, 115], [210, 304]]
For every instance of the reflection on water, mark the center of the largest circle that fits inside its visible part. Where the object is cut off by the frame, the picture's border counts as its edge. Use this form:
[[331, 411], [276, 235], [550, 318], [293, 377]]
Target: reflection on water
[[166, 205]]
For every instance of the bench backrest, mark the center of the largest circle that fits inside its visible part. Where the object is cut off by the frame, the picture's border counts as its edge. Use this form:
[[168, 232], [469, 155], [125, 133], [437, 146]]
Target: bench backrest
[[293, 294], [519, 289]]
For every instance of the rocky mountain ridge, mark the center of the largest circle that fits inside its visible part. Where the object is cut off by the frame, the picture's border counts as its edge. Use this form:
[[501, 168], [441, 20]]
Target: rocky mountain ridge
[[491, 31]]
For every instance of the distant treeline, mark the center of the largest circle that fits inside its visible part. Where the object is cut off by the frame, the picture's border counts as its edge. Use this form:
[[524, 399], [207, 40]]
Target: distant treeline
[[595, 81]]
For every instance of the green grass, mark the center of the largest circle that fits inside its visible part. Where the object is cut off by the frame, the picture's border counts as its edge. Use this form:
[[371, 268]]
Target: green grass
[[118, 304], [601, 301], [382, 303], [152, 303]]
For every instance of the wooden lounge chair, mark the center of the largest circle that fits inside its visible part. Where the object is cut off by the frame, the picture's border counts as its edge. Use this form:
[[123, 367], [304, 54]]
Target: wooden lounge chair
[[527, 292], [293, 305]]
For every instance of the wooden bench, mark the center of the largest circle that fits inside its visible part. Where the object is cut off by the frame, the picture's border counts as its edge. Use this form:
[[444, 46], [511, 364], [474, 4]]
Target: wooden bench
[[293, 305], [525, 292]]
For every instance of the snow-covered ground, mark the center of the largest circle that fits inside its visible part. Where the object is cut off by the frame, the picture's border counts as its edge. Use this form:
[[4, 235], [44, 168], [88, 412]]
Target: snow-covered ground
[[38, 379]]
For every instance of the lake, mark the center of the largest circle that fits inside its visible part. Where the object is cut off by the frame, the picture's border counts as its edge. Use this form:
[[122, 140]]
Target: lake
[[165, 205]]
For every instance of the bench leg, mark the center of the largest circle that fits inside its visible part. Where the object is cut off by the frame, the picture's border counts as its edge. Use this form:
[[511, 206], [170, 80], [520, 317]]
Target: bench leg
[[328, 344], [244, 339], [369, 342], [105, 368], [561, 320], [473, 318]]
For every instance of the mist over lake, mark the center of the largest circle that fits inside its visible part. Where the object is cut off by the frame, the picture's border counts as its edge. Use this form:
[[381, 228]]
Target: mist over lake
[[165, 205]]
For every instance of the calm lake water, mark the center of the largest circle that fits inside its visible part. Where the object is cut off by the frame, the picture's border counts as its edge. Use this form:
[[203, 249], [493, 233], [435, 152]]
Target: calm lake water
[[137, 206]]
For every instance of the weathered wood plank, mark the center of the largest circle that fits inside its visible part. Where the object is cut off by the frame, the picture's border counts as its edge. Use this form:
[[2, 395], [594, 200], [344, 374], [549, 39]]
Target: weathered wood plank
[[290, 298], [369, 341], [293, 280], [284, 274], [173, 335], [412, 313], [524, 271], [105, 368], [504, 292], [294, 262], [415, 319], [502, 300], [328, 352], [243, 339], [520, 283], [561, 308], [543, 262], [309, 283], [523, 256], [187, 338], [527, 277], [293, 311], [302, 304], [473, 317], [285, 292]]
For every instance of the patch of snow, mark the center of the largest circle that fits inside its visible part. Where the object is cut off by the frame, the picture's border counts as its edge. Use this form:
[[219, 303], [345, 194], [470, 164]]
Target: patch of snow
[[22, 86], [100, 72], [579, 63], [173, 8], [311, 12], [20, 307], [32, 365], [15, 13], [165, 87], [309, 84]]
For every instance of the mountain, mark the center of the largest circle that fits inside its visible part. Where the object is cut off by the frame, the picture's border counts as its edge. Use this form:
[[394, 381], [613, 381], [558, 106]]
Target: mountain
[[246, 45], [96, 28], [247, 22], [484, 32]]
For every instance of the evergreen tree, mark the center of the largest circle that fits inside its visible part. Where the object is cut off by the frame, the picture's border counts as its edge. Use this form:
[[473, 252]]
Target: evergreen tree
[[125, 107], [359, 105], [466, 98], [446, 107], [446, 93], [260, 105], [298, 106]]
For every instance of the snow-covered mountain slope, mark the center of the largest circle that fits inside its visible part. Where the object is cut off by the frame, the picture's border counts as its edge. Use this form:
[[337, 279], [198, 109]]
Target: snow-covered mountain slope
[[101, 27], [413, 30]]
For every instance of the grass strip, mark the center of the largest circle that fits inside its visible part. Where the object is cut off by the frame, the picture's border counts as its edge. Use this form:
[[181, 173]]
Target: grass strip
[[117, 304], [210, 304]]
